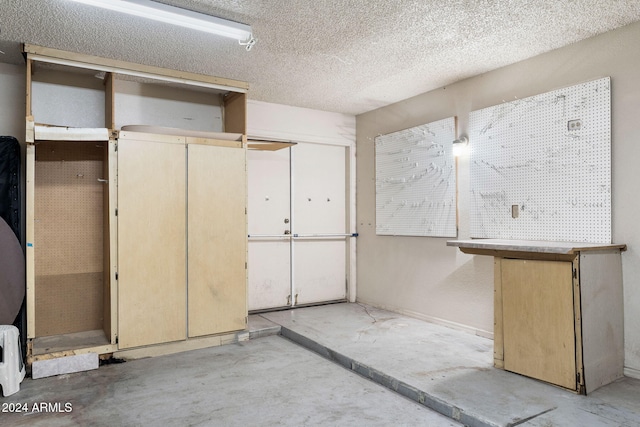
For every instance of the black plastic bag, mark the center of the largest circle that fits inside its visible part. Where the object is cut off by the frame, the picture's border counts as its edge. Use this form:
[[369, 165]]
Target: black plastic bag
[[10, 183]]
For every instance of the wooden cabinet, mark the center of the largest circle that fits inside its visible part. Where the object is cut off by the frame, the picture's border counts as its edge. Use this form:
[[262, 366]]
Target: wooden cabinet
[[558, 310], [181, 236], [136, 241]]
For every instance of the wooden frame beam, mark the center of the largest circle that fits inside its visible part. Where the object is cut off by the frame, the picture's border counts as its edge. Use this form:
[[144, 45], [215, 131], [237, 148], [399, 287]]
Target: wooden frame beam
[[55, 56]]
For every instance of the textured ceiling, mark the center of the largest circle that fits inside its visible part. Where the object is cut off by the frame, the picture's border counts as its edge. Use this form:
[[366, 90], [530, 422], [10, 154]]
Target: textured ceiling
[[347, 56]]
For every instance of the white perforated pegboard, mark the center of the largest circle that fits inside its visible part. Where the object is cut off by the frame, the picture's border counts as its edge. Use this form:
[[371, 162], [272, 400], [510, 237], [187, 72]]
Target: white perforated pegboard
[[541, 166], [416, 181]]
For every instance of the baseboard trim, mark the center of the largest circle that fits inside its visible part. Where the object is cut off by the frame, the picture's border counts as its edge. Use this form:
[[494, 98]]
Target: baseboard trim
[[180, 346], [632, 373], [431, 319]]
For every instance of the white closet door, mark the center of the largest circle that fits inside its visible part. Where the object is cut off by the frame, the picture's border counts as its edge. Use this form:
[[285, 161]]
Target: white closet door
[[319, 185], [269, 213]]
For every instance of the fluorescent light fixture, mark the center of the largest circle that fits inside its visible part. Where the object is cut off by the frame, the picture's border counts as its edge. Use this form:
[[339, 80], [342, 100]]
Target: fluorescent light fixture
[[177, 16]]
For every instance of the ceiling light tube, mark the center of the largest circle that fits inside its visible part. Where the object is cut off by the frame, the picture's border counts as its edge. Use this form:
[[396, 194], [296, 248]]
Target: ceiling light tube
[[177, 16]]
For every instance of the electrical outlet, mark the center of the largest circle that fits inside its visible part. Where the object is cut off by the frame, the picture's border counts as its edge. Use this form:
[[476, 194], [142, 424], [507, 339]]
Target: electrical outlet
[[574, 124]]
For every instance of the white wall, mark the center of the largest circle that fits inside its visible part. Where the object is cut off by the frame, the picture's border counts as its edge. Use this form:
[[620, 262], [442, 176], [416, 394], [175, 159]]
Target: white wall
[[78, 100], [284, 122], [67, 99], [424, 277], [12, 101], [166, 106]]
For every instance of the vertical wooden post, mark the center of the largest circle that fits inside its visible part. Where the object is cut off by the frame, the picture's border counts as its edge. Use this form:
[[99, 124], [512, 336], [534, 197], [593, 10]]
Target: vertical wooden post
[[577, 310], [30, 218], [498, 334], [106, 243], [109, 102], [112, 161], [29, 203], [28, 88]]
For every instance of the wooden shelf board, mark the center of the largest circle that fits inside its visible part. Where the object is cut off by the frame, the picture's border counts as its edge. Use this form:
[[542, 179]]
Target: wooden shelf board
[[61, 133], [531, 246], [58, 343]]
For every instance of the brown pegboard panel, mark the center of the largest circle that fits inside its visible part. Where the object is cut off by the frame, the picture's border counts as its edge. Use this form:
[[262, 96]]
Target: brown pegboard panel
[[68, 208], [68, 238], [68, 303]]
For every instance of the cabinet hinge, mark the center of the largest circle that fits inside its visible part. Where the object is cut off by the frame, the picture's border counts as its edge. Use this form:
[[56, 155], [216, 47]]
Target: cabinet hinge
[[245, 265], [577, 377], [116, 212], [116, 275], [575, 273], [117, 339]]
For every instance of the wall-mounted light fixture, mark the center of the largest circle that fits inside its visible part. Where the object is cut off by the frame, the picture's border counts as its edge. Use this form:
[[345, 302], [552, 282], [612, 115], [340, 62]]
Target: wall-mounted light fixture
[[460, 146], [178, 16]]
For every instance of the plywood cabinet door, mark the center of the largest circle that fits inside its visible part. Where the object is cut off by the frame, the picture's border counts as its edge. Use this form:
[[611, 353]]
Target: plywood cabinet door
[[538, 320], [151, 242], [217, 243]]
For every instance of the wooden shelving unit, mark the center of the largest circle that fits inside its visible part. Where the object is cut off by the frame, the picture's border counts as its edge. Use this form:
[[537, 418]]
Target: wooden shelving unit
[[95, 197]]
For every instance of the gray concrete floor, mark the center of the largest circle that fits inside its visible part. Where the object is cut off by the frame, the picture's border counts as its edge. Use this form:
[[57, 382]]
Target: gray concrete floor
[[450, 370], [270, 380]]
